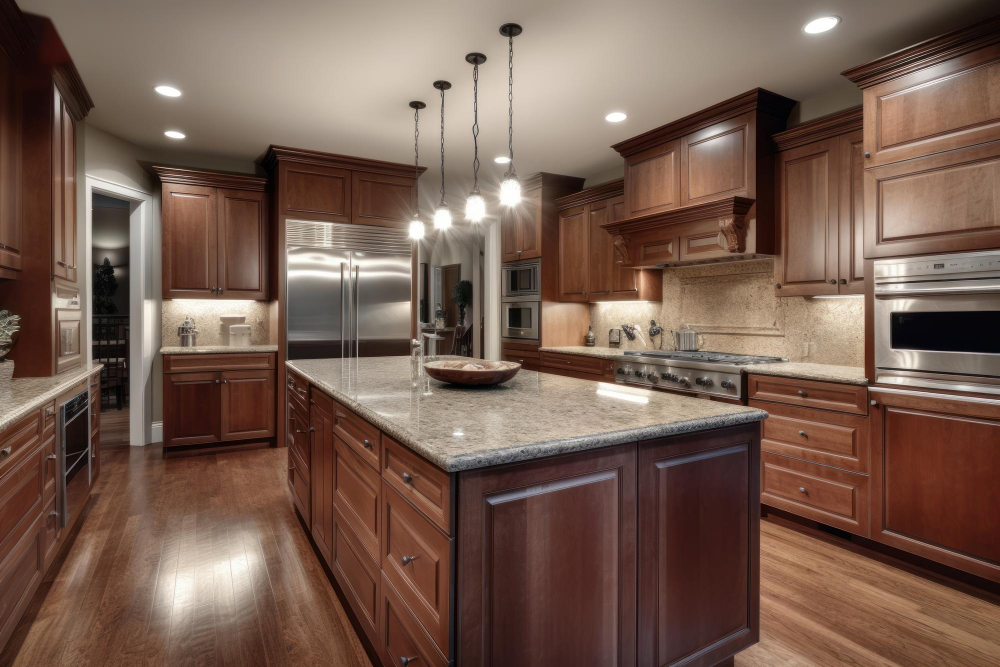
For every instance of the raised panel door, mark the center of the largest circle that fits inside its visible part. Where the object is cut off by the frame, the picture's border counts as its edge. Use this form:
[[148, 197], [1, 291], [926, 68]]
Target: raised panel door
[[624, 282], [190, 241], [321, 468], [192, 408], [314, 192], [63, 191], [717, 161], [529, 225], [356, 496], [851, 181], [247, 404], [10, 167], [601, 254], [242, 245], [574, 248], [652, 180], [508, 234], [384, 201]]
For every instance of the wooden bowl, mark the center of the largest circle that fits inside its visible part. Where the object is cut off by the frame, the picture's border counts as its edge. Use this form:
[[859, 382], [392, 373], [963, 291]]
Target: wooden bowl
[[471, 372]]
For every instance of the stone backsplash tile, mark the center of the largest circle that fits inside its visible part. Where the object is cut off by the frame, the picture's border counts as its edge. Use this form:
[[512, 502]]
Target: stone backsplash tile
[[206, 314]]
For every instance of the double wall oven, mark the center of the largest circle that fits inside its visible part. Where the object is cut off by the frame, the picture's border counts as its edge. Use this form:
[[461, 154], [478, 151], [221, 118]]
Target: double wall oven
[[521, 301], [937, 322]]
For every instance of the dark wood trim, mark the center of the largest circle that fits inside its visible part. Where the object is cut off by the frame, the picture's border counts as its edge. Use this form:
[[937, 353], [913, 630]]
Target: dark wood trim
[[723, 208], [74, 93], [52, 54], [826, 127], [757, 99], [546, 179], [210, 179], [276, 154], [591, 195], [16, 37], [926, 54]]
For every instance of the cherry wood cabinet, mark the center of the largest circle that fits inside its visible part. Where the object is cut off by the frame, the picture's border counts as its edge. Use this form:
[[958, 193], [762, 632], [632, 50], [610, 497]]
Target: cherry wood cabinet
[[316, 192], [652, 179], [322, 460], [242, 245], [382, 200], [10, 167], [247, 404], [719, 161], [64, 260], [820, 207], [192, 408], [521, 228], [574, 250]]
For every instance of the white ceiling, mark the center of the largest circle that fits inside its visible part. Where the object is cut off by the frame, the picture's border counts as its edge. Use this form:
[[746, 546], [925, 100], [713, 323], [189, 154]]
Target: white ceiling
[[337, 76]]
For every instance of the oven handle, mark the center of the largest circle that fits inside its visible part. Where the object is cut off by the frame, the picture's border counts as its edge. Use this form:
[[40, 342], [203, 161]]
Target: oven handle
[[959, 287]]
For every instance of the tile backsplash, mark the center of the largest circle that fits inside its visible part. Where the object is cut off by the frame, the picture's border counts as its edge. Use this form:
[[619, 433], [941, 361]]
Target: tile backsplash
[[206, 314], [733, 305]]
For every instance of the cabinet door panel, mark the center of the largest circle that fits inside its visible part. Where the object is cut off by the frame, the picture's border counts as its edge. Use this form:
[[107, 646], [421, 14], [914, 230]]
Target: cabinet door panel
[[358, 575], [242, 245], [10, 166], [63, 191], [190, 241], [247, 404], [321, 477], [852, 213], [192, 408], [652, 180], [508, 234], [356, 495], [624, 282], [715, 161], [601, 253], [529, 225], [313, 192], [384, 201], [573, 251]]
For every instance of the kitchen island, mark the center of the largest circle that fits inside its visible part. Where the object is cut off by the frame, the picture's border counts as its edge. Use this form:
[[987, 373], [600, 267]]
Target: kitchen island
[[545, 521]]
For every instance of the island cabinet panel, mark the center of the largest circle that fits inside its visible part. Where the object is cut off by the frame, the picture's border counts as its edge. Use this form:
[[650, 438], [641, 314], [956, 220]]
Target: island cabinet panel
[[247, 404], [321, 469], [401, 639], [698, 535], [426, 486], [299, 479], [358, 575], [356, 496], [547, 563], [357, 434], [192, 408]]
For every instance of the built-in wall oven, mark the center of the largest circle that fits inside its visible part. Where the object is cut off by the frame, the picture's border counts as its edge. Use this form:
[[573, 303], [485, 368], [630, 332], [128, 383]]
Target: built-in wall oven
[[519, 318], [937, 322], [74, 454]]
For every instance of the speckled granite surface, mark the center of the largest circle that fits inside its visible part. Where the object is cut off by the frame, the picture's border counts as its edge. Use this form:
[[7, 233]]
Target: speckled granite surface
[[19, 397], [531, 416], [218, 349], [820, 372], [582, 350]]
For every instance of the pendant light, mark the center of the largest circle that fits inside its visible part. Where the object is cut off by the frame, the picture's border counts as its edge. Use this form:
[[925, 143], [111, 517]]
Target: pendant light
[[475, 205], [442, 216], [510, 187], [416, 224]]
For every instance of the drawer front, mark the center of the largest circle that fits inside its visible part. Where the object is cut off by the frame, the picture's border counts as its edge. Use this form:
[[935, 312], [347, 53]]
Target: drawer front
[[829, 438], [297, 437], [423, 484], [50, 468], [18, 440], [574, 362], [298, 391], [817, 492], [400, 635], [356, 495], [527, 363], [298, 484], [179, 363], [357, 574], [358, 434], [20, 572], [21, 492], [807, 393], [416, 558], [48, 420]]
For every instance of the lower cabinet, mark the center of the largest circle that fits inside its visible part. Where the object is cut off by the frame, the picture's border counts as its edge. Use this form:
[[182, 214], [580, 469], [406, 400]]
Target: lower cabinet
[[401, 639], [358, 575], [192, 409], [577, 366], [321, 462]]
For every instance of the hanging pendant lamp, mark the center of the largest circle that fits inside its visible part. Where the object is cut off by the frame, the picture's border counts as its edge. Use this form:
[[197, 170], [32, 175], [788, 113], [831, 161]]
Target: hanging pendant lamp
[[475, 205], [510, 187], [442, 216], [416, 224]]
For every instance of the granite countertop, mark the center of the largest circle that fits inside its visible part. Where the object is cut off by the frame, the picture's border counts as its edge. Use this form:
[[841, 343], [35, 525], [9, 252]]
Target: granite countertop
[[583, 351], [218, 349], [20, 397], [806, 371], [531, 416]]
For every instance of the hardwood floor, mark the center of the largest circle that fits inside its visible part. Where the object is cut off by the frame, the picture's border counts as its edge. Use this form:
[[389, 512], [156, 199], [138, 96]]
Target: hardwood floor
[[114, 427], [202, 560]]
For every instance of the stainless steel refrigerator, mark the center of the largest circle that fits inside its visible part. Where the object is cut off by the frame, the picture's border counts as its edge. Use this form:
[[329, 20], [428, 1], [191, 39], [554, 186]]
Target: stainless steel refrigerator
[[348, 290]]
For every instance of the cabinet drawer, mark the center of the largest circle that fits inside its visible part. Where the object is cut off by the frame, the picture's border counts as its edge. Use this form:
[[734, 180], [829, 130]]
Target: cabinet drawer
[[356, 432], [48, 420], [400, 634], [357, 573], [416, 558], [21, 492], [20, 573], [298, 484], [356, 495], [298, 392], [829, 438], [817, 492], [807, 393], [18, 440], [297, 436], [423, 484], [174, 363], [527, 363], [574, 362]]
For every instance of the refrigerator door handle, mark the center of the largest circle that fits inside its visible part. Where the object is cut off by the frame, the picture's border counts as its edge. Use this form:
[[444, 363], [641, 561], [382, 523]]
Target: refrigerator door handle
[[355, 304], [342, 313]]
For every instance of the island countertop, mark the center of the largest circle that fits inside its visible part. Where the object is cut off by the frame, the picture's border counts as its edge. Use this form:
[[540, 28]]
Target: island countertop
[[532, 416]]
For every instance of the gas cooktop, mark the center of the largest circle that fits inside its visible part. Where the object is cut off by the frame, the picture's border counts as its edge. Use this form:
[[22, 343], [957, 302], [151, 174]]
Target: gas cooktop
[[716, 357], [704, 373]]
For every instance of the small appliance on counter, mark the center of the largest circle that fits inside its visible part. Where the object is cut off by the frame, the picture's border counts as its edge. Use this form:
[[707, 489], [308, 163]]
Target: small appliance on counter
[[225, 329], [590, 339], [239, 335], [187, 332]]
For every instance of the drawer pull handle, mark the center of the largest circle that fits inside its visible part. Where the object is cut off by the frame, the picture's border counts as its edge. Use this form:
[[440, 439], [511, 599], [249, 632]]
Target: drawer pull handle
[[5, 452], [341, 415], [369, 444], [803, 434], [407, 477], [801, 393], [406, 560], [403, 662], [298, 430], [51, 457], [802, 489], [50, 411]]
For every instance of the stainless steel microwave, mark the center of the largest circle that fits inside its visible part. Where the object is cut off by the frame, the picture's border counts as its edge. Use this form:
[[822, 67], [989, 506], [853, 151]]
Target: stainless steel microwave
[[519, 318], [523, 279]]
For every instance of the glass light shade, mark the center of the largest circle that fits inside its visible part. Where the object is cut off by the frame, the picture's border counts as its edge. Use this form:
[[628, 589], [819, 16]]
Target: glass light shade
[[510, 191], [416, 228], [442, 217], [822, 24], [475, 207]]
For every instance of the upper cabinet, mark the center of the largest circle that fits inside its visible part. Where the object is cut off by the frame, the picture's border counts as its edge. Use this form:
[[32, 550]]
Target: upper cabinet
[[932, 144], [521, 228], [10, 162], [820, 205], [700, 188], [64, 262], [588, 267], [214, 235]]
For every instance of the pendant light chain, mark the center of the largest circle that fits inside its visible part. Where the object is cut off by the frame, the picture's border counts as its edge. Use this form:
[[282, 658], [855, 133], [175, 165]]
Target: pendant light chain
[[442, 147], [510, 99], [416, 150], [475, 128]]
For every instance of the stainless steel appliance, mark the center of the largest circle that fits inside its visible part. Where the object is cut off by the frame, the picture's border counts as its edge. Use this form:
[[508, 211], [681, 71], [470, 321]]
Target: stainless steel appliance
[[522, 280], [937, 322], [687, 340], [700, 373], [187, 332], [74, 454], [348, 290], [519, 318]]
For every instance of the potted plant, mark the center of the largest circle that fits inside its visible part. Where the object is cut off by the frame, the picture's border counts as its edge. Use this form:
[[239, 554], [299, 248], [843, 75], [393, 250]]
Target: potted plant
[[462, 296]]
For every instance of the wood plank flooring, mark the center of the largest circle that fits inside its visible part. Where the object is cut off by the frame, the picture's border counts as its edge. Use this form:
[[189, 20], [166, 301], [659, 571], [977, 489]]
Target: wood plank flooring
[[114, 427], [202, 560]]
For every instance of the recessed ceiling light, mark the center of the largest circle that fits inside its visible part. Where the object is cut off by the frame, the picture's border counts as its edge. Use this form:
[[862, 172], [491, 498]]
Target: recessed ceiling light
[[822, 24], [168, 91], [503, 159], [174, 134], [615, 117]]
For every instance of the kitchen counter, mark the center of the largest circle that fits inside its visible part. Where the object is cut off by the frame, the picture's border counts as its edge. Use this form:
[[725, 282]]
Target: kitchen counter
[[20, 397], [218, 349], [532, 416], [583, 351], [806, 371]]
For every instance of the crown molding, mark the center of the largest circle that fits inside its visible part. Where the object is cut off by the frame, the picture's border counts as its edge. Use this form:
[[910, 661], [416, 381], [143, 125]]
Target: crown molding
[[723, 208], [591, 195], [278, 154], [16, 37], [210, 179], [836, 124]]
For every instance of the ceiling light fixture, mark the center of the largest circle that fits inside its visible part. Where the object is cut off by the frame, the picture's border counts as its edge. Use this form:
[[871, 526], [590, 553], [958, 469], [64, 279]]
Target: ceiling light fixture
[[502, 159], [416, 224], [615, 117], [475, 205], [167, 91], [174, 134], [821, 24], [442, 216], [510, 187]]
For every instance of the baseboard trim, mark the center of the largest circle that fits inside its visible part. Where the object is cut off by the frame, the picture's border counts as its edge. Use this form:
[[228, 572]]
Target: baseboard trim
[[156, 432]]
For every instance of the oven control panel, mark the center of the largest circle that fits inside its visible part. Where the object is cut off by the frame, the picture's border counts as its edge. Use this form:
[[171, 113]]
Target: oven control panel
[[697, 381], [938, 265]]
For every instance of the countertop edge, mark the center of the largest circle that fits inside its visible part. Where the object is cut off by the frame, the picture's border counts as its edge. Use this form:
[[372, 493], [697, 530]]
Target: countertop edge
[[10, 417], [217, 349]]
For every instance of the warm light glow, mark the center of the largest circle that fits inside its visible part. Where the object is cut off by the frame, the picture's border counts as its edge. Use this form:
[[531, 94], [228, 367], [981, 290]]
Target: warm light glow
[[442, 217], [475, 207], [615, 117], [503, 159], [615, 393], [174, 134], [510, 191], [416, 229], [168, 91], [822, 24]]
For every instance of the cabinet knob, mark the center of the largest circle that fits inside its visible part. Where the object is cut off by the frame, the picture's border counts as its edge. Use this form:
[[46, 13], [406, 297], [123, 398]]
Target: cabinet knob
[[874, 402], [777, 286], [843, 281], [867, 154], [369, 444], [5, 452], [220, 290], [216, 382], [833, 281], [298, 430], [803, 434], [802, 489], [406, 560], [51, 457], [61, 263], [213, 290], [403, 662], [225, 382], [71, 267], [801, 393], [408, 478]]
